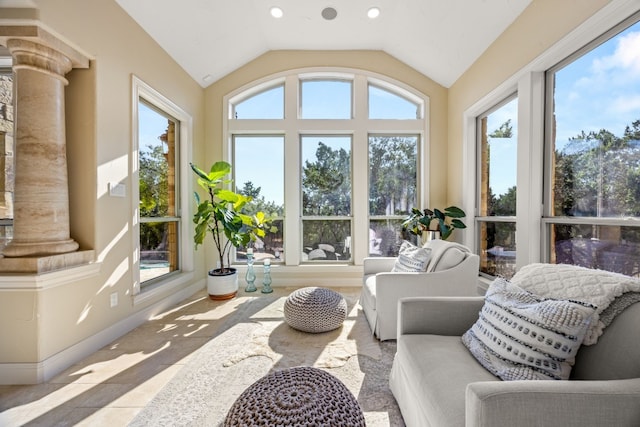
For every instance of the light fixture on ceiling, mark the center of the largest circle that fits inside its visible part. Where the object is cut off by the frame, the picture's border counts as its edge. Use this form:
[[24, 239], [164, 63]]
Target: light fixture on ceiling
[[207, 78], [329, 13], [276, 12], [373, 12]]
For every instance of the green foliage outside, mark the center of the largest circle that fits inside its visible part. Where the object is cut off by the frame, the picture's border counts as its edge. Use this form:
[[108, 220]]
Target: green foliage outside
[[154, 196], [597, 174]]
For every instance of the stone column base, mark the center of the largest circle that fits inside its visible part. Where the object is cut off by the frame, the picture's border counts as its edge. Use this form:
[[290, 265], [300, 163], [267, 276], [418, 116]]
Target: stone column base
[[30, 249], [47, 263]]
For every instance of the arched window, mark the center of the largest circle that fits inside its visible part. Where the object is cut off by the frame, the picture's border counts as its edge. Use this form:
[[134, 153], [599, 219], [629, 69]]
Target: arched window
[[335, 155]]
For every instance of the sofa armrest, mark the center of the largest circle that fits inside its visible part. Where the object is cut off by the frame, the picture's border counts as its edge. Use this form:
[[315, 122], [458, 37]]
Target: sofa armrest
[[558, 403], [438, 315], [374, 265]]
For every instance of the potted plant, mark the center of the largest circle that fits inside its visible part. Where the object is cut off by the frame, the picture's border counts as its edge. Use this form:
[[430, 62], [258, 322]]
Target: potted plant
[[419, 221], [221, 215]]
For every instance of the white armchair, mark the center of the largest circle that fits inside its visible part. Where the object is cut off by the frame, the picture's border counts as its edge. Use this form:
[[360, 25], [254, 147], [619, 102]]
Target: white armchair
[[452, 271]]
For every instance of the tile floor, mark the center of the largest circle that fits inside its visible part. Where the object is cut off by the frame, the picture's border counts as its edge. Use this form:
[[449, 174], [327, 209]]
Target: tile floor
[[111, 386]]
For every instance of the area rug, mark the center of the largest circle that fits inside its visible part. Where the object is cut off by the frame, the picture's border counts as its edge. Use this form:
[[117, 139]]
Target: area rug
[[254, 341]]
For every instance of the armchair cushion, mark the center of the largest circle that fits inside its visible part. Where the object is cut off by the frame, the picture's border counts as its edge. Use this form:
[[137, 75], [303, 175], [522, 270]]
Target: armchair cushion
[[382, 288], [520, 336], [412, 258], [445, 255]]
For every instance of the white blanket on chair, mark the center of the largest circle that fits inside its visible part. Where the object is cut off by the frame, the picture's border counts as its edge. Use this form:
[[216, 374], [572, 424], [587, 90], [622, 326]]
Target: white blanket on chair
[[561, 281]]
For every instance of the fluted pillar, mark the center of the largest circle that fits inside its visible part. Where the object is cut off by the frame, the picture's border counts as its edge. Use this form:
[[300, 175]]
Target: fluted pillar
[[41, 203]]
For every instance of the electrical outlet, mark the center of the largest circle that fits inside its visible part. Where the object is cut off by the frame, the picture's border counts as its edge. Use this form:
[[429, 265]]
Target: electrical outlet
[[114, 299], [117, 190]]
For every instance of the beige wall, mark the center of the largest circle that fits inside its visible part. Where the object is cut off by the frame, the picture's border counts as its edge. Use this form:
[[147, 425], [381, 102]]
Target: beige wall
[[99, 138], [99, 134], [373, 61], [539, 26]]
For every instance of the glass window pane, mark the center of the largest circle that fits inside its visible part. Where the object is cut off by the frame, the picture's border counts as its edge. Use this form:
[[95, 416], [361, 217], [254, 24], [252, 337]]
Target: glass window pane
[[325, 99], [157, 151], [596, 135], [326, 240], [326, 175], [611, 248], [265, 105], [498, 151], [156, 163], [158, 249], [387, 105], [258, 171], [272, 246], [386, 236], [497, 248], [392, 174]]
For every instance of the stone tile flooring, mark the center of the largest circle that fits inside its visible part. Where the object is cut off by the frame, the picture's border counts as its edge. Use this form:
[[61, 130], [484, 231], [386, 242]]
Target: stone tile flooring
[[111, 386]]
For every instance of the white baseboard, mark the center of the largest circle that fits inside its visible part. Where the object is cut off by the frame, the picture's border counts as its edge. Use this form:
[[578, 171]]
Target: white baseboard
[[36, 373]]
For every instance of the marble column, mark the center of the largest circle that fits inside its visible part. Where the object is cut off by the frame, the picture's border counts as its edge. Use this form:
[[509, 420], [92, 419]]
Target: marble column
[[41, 204]]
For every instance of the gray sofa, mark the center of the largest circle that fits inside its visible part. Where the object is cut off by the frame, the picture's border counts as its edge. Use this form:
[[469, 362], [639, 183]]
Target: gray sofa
[[437, 382]]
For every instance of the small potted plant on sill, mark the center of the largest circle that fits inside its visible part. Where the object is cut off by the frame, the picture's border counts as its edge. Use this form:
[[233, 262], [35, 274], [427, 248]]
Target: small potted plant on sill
[[221, 215], [419, 222]]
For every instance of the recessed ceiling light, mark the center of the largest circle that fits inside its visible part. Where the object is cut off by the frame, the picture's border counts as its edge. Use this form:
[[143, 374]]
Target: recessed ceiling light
[[276, 12], [373, 13], [329, 13]]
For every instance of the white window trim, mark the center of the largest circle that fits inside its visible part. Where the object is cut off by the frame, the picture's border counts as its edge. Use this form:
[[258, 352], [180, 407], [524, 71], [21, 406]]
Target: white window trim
[[141, 90], [529, 83], [359, 128]]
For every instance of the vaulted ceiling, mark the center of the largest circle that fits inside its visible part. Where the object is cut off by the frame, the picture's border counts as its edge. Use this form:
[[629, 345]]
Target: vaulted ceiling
[[211, 38]]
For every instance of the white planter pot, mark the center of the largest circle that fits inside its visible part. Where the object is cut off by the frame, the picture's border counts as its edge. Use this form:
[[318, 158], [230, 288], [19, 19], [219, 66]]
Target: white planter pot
[[222, 287]]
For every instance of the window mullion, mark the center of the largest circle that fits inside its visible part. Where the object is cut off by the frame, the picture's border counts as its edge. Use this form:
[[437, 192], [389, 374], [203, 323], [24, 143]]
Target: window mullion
[[292, 184], [530, 168], [360, 164]]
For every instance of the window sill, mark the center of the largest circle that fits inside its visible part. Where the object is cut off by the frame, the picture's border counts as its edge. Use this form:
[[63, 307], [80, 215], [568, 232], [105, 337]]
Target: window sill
[[164, 287]]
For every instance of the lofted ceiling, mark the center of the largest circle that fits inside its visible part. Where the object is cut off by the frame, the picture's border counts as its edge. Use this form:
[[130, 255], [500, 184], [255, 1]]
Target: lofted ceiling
[[211, 38]]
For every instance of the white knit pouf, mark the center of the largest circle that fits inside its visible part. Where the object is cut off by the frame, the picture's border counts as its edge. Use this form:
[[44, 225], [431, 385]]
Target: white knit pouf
[[300, 396], [315, 310]]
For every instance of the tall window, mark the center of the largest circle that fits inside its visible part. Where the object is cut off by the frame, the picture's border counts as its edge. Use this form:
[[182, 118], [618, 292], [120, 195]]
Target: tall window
[[496, 220], [393, 190], [326, 197], [335, 156], [259, 172], [593, 147], [158, 172]]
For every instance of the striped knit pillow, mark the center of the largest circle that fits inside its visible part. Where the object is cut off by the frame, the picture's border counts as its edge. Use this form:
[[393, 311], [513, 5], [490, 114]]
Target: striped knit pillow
[[520, 336], [411, 258]]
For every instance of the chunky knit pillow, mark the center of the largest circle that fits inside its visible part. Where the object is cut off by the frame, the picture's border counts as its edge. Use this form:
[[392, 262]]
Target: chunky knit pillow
[[521, 336], [412, 258]]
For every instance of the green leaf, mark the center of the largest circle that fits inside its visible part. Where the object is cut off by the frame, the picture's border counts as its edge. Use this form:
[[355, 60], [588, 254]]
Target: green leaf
[[199, 172], [458, 224], [218, 170], [454, 212]]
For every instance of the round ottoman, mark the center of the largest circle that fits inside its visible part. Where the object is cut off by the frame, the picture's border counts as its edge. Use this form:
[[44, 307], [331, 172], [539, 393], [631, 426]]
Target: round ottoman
[[315, 310], [301, 396]]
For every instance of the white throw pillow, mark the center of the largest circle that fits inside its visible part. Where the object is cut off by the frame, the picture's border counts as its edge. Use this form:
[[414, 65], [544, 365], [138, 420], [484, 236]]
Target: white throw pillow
[[521, 336], [411, 258], [450, 257]]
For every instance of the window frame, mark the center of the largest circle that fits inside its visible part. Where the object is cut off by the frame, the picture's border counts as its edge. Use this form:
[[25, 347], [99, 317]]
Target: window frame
[[143, 91], [549, 220], [359, 127], [482, 219], [529, 82]]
